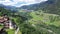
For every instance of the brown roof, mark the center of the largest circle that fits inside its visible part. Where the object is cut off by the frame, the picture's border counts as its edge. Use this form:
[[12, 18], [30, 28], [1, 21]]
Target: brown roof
[[2, 19]]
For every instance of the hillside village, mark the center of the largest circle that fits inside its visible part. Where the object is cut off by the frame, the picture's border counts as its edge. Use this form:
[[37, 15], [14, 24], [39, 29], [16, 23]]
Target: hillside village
[[7, 23]]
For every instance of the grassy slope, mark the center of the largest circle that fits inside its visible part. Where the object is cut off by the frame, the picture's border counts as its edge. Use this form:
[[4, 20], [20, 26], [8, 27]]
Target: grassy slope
[[50, 19], [10, 31], [40, 21], [45, 23]]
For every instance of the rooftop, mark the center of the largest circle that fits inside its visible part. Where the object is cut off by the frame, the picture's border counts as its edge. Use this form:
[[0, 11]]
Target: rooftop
[[3, 19]]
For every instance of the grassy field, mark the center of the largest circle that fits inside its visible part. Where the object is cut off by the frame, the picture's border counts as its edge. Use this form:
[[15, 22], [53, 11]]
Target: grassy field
[[10, 31], [48, 19]]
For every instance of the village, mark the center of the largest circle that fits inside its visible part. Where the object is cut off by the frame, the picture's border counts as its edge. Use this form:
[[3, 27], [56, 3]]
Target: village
[[7, 23]]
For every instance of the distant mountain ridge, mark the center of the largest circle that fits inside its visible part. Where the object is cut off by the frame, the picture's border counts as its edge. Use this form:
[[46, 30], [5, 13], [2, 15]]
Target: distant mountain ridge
[[29, 7], [11, 8], [38, 5], [50, 6]]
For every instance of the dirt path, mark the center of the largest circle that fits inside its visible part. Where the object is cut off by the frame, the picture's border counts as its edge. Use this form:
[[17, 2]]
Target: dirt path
[[16, 31]]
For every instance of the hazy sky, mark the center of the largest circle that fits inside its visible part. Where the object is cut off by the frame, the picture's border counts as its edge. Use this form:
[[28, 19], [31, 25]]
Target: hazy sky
[[19, 3]]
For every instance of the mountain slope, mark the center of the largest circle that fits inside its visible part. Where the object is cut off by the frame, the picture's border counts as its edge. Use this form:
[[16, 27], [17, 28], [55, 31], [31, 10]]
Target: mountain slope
[[50, 6], [11, 8], [38, 5], [40, 22]]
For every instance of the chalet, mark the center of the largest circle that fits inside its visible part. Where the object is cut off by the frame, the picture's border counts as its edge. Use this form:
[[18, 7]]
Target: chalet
[[6, 22], [1, 20]]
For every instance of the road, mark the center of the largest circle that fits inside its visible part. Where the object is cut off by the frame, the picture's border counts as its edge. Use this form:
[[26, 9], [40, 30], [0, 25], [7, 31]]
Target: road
[[16, 31]]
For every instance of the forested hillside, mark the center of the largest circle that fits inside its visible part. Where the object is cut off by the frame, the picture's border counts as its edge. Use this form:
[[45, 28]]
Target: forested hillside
[[40, 23], [50, 6]]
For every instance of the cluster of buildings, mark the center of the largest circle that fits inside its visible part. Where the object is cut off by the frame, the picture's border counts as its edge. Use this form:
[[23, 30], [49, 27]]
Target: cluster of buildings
[[6, 22]]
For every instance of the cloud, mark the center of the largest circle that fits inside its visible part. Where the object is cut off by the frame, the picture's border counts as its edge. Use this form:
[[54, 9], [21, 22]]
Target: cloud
[[19, 3]]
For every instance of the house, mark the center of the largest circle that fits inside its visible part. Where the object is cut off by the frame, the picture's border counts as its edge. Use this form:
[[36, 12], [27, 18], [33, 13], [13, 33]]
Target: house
[[1, 20], [6, 22]]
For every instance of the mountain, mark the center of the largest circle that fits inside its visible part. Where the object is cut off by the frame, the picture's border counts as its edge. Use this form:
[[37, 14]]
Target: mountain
[[38, 5], [11, 8], [50, 6]]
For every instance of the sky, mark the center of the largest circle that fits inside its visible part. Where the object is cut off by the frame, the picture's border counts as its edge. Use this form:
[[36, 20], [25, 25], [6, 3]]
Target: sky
[[19, 3]]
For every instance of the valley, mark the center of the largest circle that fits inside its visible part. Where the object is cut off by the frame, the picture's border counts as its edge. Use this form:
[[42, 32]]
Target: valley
[[40, 18]]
